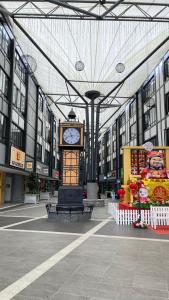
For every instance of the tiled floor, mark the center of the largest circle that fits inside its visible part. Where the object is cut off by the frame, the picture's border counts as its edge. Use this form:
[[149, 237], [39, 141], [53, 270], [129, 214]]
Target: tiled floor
[[80, 261]]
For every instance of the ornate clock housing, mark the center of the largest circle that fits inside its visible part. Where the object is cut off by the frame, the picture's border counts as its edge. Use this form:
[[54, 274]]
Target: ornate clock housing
[[71, 135]]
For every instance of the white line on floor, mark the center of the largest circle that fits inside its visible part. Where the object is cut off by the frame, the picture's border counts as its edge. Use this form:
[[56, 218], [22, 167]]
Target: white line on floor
[[22, 222], [9, 206], [19, 285], [27, 207], [130, 238], [16, 216], [44, 231]]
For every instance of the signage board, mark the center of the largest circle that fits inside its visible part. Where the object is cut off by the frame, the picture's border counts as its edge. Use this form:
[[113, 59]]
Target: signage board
[[29, 165], [17, 158]]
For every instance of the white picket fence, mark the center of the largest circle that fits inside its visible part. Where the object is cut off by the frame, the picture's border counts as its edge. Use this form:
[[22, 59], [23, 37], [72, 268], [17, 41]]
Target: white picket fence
[[159, 216], [127, 216]]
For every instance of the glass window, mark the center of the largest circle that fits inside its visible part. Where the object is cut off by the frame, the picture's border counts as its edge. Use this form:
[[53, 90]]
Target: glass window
[[108, 136], [2, 128], [19, 66], [17, 137], [149, 118], [4, 40], [39, 152], [133, 131], [114, 163], [40, 102], [47, 157], [40, 127], [149, 89], [3, 83], [114, 146], [18, 100], [22, 104], [47, 133], [48, 114], [122, 119], [167, 104], [166, 69], [132, 108], [122, 139]]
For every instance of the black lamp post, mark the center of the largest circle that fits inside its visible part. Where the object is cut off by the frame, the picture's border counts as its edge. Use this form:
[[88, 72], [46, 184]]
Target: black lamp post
[[92, 95]]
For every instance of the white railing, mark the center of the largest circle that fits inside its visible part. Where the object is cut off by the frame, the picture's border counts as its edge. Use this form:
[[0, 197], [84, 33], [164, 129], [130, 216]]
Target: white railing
[[159, 216], [127, 216]]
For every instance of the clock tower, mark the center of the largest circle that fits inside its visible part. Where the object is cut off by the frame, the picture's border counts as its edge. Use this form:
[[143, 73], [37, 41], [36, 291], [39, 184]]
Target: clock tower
[[71, 144]]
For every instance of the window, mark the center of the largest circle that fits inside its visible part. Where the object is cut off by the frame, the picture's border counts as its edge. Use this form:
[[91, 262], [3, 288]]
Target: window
[[4, 40], [108, 136], [108, 166], [166, 69], [149, 89], [39, 152], [20, 68], [47, 133], [114, 131], [133, 131], [122, 119], [40, 102], [108, 150], [2, 128], [122, 139], [18, 100], [48, 114], [3, 83], [132, 108], [47, 157], [114, 163], [167, 104], [167, 137], [17, 137], [114, 146], [40, 127], [149, 118]]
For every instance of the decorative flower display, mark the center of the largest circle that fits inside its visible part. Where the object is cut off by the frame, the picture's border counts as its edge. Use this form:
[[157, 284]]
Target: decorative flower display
[[139, 224]]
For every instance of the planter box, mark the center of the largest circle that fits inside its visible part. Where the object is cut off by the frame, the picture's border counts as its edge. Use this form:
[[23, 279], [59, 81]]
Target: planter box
[[44, 196], [31, 198]]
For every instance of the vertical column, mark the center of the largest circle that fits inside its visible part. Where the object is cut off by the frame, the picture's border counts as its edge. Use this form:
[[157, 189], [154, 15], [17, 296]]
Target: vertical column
[[36, 130], [92, 142], [10, 98]]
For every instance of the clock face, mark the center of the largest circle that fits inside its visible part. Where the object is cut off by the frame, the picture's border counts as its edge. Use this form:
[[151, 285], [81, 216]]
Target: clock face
[[71, 136]]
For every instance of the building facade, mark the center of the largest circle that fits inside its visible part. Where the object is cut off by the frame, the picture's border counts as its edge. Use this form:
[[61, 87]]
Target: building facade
[[143, 118], [28, 128]]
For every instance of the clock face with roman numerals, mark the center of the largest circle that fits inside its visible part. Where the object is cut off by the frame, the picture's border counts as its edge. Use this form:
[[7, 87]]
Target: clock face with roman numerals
[[71, 136]]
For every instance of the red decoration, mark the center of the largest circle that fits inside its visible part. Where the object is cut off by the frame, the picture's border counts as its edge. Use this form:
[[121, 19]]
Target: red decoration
[[160, 193], [121, 193], [133, 188]]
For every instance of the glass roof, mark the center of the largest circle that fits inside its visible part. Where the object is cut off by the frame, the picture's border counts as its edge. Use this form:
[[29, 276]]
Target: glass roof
[[126, 34]]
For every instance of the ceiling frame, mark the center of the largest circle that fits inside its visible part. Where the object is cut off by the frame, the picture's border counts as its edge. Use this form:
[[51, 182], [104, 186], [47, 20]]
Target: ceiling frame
[[78, 13]]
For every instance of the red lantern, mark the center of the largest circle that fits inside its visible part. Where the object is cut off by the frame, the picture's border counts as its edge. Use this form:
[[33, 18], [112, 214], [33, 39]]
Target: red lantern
[[121, 193], [133, 188]]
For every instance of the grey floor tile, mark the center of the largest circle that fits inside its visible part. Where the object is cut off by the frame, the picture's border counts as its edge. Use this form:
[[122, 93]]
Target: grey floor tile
[[66, 296], [150, 282], [52, 225]]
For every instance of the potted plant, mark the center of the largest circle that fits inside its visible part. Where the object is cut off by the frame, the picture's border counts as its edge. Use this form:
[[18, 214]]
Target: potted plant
[[45, 193], [32, 195]]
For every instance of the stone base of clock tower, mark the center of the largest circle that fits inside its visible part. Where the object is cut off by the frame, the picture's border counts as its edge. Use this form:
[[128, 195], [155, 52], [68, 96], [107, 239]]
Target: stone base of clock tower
[[92, 190]]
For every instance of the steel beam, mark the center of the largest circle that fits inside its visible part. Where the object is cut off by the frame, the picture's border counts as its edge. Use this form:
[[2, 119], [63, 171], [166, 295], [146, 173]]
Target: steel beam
[[111, 8], [68, 6], [84, 18]]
